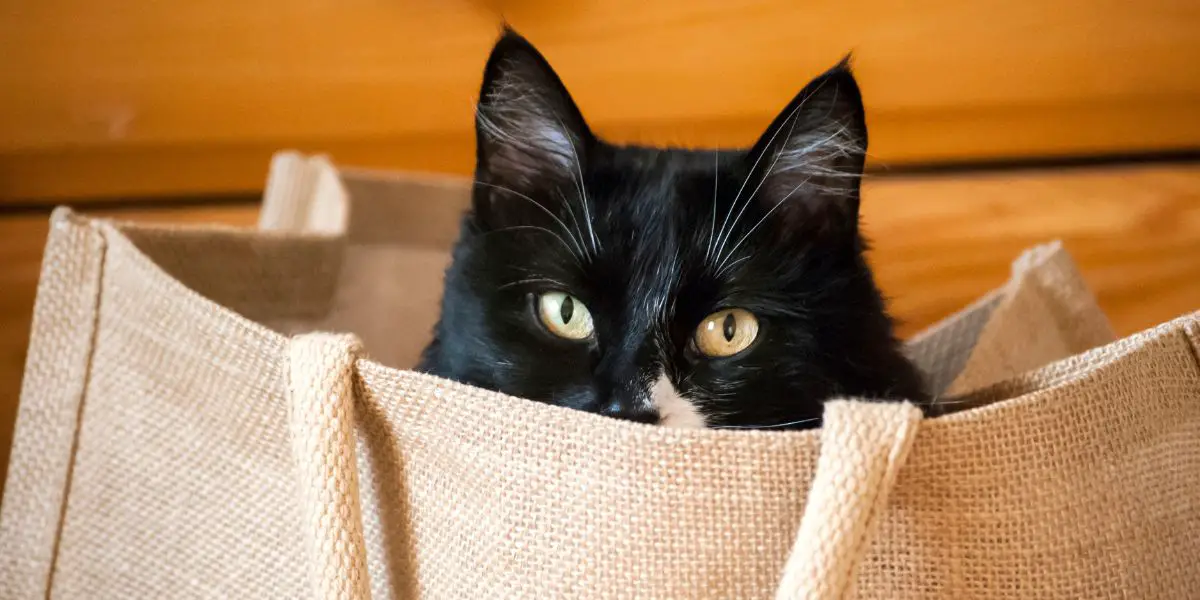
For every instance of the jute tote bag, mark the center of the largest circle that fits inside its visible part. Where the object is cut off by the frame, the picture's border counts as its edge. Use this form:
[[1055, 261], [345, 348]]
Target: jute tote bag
[[183, 432]]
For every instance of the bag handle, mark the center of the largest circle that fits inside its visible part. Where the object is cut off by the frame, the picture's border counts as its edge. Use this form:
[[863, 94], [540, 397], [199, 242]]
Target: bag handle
[[321, 425], [304, 194], [863, 447]]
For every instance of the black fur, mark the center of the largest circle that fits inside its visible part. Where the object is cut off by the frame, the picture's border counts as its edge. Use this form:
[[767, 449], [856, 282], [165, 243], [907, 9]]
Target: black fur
[[651, 276]]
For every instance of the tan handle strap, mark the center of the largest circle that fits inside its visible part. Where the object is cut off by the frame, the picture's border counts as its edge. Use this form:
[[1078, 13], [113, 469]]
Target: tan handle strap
[[863, 446], [321, 424], [303, 194]]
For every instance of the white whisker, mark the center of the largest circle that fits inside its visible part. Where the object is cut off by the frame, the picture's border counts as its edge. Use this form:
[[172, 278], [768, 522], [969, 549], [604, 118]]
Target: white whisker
[[730, 266], [712, 227], [772, 426], [750, 174], [554, 282], [760, 222], [571, 250], [750, 198], [938, 401], [771, 170], [577, 235], [583, 198], [535, 203], [793, 117]]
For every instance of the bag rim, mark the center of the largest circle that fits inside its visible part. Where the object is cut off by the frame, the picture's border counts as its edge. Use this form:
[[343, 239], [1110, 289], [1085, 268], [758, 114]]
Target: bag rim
[[116, 232]]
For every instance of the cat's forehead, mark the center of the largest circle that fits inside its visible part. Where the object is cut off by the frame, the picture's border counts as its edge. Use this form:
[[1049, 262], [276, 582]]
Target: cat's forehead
[[648, 183], [640, 214], [667, 161]]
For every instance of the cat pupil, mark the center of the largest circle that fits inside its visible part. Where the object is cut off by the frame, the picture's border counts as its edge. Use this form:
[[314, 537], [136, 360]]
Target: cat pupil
[[566, 310], [730, 327]]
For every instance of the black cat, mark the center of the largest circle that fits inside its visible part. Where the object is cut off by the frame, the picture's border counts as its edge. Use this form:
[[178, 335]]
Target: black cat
[[692, 288]]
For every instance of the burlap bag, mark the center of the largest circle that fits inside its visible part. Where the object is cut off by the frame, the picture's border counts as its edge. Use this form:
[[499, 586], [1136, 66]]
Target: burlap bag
[[183, 433]]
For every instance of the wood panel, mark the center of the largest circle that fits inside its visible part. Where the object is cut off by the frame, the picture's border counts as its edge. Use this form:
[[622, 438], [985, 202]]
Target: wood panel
[[940, 242], [1135, 232], [138, 97]]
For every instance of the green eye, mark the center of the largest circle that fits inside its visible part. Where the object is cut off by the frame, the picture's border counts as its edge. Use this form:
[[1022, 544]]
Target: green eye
[[565, 316]]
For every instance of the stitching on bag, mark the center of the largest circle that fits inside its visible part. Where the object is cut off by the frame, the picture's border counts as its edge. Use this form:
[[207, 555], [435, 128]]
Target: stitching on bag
[[898, 449], [94, 233], [1066, 371], [1191, 332], [335, 356]]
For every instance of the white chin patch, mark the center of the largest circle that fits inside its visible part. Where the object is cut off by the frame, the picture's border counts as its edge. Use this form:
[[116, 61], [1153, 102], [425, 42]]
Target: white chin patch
[[674, 410]]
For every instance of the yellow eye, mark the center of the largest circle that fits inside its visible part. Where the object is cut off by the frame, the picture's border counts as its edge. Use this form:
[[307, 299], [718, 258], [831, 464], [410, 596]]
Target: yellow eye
[[726, 332], [565, 316]]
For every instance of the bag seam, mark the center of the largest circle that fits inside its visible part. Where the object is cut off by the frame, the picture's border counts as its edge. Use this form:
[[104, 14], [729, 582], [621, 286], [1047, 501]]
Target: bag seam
[[94, 233]]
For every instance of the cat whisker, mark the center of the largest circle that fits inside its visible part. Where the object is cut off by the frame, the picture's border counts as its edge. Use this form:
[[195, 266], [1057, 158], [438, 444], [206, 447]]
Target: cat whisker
[[750, 199], [712, 226], [583, 198], [721, 267], [487, 118], [746, 181], [938, 406], [732, 205], [578, 233], [771, 426], [839, 147], [730, 266], [936, 402], [582, 254], [545, 280], [793, 117], [536, 228]]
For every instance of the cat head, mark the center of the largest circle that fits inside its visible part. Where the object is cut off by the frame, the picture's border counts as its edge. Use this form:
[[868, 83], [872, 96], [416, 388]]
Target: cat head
[[683, 287]]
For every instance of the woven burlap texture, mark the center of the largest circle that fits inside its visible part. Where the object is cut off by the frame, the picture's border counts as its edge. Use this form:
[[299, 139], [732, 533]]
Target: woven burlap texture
[[863, 446], [154, 455], [321, 425]]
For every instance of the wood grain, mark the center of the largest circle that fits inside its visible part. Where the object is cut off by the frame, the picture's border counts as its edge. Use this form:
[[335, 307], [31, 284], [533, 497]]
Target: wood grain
[[138, 97], [940, 242], [1135, 232]]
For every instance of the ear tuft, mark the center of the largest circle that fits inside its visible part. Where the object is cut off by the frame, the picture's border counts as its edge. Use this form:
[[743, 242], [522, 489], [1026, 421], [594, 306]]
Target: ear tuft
[[810, 160], [528, 128]]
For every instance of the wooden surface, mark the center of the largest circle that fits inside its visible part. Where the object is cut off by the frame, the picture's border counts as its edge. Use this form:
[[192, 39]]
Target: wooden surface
[[140, 97], [940, 242], [1135, 233]]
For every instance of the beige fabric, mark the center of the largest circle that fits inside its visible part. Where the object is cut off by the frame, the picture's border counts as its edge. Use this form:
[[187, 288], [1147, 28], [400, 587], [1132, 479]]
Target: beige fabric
[[303, 194], [1055, 317], [154, 456], [51, 393], [321, 425], [863, 446]]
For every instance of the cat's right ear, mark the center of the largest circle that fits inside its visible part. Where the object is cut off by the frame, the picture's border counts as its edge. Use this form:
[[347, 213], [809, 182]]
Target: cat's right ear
[[810, 160], [529, 132]]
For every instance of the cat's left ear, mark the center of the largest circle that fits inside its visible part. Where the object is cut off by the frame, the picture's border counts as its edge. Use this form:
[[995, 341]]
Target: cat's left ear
[[529, 132], [810, 160]]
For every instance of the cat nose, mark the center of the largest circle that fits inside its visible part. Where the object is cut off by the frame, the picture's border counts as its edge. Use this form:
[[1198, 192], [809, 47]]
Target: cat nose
[[633, 409]]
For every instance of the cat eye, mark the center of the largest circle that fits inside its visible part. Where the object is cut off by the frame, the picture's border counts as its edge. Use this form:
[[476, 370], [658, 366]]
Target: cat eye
[[565, 316], [726, 332]]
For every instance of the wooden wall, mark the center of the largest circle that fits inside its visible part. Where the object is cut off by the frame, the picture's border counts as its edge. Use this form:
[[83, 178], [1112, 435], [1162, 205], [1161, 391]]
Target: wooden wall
[[149, 98]]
